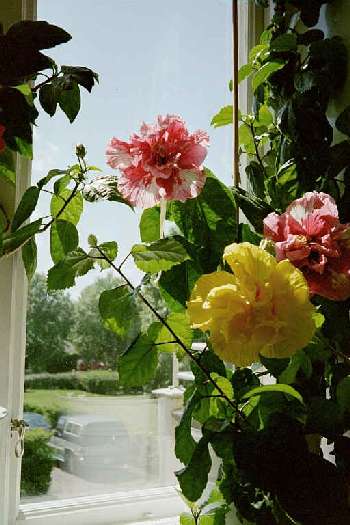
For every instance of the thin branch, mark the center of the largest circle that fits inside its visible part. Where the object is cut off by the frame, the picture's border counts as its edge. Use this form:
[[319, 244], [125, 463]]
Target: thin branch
[[124, 260], [172, 332], [67, 201], [41, 84], [256, 146]]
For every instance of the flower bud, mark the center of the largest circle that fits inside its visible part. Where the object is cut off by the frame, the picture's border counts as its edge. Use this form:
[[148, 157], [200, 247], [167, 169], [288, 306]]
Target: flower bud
[[80, 151]]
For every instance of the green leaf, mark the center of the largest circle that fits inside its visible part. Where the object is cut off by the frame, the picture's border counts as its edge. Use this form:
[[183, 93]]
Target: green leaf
[[64, 273], [248, 235], [223, 117], [187, 519], [194, 478], [265, 72], [244, 72], [118, 309], [343, 394], [24, 147], [254, 208], [7, 166], [224, 384], [285, 389], [284, 43], [274, 365], [265, 116], [29, 257], [72, 211], [25, 207], [207, 222], [324, 417], [51, 174], [180, 324], [48, 98], [69, 101], [184, 442], [298, 361], [83, 75], [13, 240], [150, 224], [64, 238], [109, 249], [138, 365], [159, 256], [343, 121]]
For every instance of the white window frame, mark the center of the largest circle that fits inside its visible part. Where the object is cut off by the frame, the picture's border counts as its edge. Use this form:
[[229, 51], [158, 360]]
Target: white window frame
[[120, 507]]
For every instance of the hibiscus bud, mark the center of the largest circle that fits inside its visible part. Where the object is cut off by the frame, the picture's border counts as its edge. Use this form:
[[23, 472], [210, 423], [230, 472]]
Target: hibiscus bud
[[268, 246], [80, 151]]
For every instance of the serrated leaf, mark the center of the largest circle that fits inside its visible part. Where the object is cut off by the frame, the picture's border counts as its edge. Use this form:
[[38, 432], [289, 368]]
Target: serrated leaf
[[150, 224], [13, 240], [64, 238], [48, 95], [109, 249], [184, 441], [298, 361], [29, 257], [69, 101], [265, 72], [25, 207], [138, 365], [224, 384], [118, 309], [244, 72], [180, 324], [64, 273], [284, 43], [51, 174], [194, 478], [223, 117], [159, 256], [284, 389], [72, 211]]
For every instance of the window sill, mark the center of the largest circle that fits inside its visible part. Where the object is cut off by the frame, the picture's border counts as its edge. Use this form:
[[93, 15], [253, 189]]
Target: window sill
[[109, 509]]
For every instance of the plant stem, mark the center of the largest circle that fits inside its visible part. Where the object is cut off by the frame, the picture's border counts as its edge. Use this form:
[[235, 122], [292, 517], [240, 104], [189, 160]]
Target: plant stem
[[194, 357], [257, 153], [67, 201]]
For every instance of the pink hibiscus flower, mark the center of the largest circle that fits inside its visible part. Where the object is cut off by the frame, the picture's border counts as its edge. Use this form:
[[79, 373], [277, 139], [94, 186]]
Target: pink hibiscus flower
[[162, 162], [2, 142], [310, 235]]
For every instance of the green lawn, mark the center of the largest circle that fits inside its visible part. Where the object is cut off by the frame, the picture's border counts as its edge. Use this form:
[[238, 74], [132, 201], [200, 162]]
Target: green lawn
[[50, 403]]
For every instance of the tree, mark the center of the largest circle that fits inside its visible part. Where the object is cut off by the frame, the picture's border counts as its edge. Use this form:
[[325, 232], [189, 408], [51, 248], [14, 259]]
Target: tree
[[49, 321], [91, 339], [89, 336]]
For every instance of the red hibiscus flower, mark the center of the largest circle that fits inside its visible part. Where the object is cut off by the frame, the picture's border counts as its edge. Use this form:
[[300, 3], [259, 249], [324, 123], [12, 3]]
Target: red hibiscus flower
[[310, 235], [162, 162]]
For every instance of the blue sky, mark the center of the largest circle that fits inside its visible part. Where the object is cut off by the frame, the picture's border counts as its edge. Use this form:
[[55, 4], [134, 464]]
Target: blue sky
[[153, 57]]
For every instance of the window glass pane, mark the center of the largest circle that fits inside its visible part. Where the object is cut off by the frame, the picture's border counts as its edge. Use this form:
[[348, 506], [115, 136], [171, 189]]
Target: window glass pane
[[153, 57]]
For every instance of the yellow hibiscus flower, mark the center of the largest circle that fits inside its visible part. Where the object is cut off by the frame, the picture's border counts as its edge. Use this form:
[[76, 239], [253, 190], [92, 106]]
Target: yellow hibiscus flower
[[263, 307]]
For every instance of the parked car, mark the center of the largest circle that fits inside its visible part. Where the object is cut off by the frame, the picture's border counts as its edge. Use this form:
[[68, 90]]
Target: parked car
[[34, 420], [84, 444]]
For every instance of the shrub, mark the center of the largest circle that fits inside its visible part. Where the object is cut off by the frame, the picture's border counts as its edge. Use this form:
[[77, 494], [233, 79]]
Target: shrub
[[51, 411], [47, 381], [37, 463]]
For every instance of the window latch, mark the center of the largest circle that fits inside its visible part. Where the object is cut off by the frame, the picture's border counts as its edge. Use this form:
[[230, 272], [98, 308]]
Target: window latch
[[18, 426]]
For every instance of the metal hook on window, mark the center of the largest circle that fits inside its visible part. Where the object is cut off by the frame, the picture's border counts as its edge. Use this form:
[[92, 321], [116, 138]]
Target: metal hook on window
[[19, 426]]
